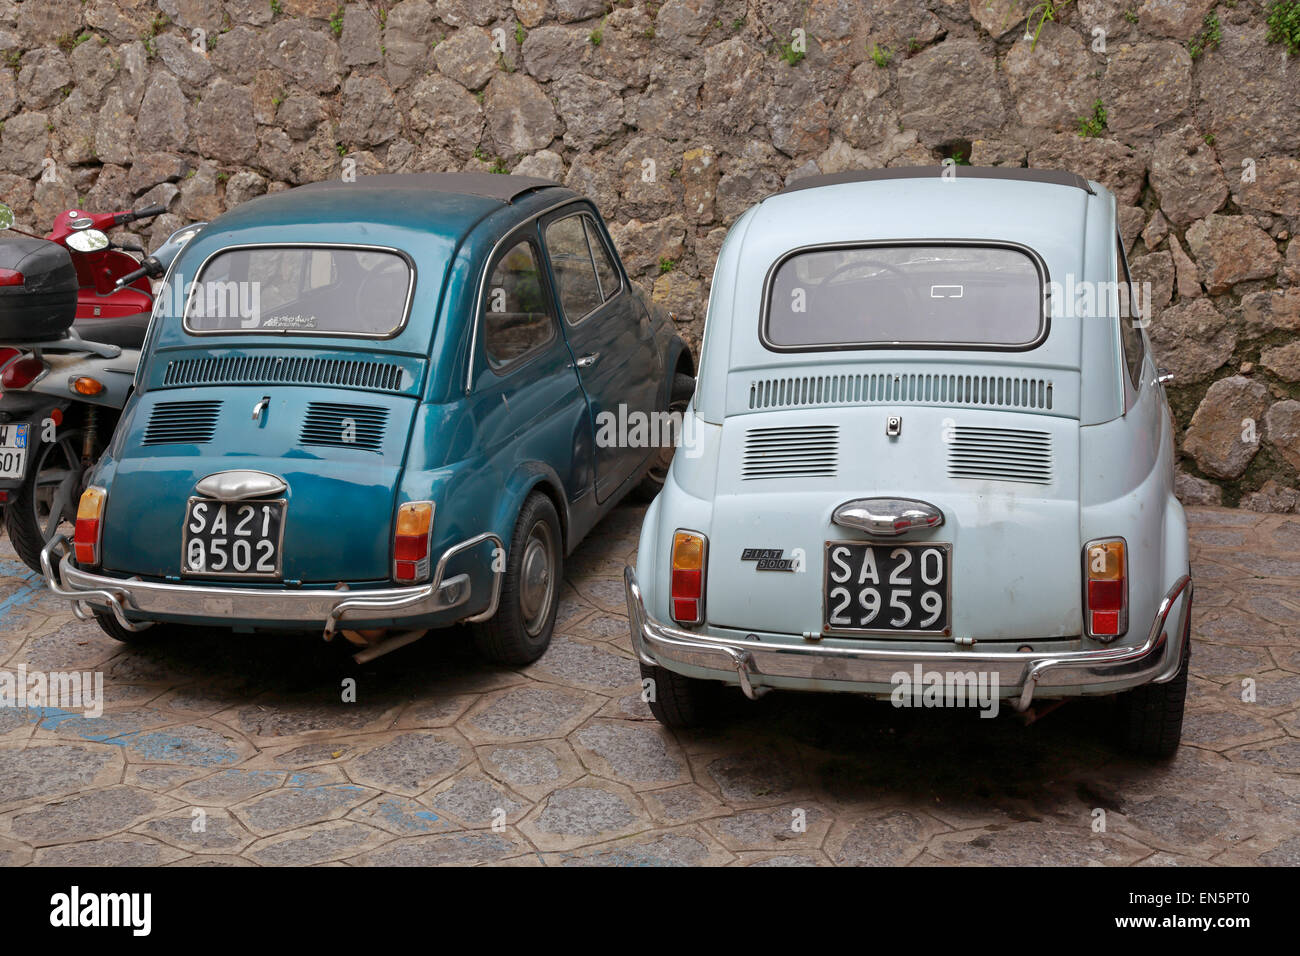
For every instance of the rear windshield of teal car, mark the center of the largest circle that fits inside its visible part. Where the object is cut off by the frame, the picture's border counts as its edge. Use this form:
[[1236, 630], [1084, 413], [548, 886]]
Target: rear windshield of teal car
[[301, 290], [883, 296]]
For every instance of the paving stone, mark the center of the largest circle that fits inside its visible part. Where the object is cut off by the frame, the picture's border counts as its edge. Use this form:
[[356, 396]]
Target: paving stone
[[401, 816], [1034, 844], [294, 807], [119, 851], [191, 744], [683, 804], [753, 776], [48, 770], [291, 718], [410, 762], [779, 860], [1221, 730], [533, 770], [476, 802], [211, 831], [676, 848], [480, 846], [230, 786], [439, 712], [316, 844], [884, 838], [771, 829], [632, 753], [582, 665], [528, 713], [585, 813], [87, 815], [1280, 755]]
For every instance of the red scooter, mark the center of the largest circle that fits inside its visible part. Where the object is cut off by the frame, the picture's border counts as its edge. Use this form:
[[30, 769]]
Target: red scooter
[[74, 312]]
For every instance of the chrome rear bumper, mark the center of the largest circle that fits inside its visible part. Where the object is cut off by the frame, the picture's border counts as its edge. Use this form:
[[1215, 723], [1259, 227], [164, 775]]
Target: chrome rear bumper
[[327, 609], [1156, 659]]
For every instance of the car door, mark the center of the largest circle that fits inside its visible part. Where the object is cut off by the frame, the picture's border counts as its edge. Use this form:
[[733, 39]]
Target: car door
[[527, 400], [611, 341]]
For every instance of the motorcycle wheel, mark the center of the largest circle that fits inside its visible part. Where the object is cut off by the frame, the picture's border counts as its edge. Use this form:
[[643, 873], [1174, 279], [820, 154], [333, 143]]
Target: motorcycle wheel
[[46, 502]]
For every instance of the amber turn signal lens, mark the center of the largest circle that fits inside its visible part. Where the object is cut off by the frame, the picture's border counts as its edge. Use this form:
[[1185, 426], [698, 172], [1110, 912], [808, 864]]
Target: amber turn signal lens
[[411, 542], [687, 584], [1106, 569], [85, 385], [86, 531]]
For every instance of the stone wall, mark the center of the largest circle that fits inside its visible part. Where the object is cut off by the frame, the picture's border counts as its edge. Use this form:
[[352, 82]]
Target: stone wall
[[676, 116]]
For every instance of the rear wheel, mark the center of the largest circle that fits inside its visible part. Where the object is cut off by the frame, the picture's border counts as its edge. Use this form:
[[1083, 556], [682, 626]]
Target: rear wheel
[[520, 631], [683, 388], [46, 502], [1149, 718], [678, 701], [110, 626]]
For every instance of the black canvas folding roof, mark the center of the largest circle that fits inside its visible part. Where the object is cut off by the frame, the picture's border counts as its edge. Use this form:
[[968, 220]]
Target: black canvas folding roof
[[1055, 176], [485, 185]]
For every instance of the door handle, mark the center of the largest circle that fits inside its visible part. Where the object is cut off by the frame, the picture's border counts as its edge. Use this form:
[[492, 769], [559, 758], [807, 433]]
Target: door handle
[[588, 360], [1164, 376], [261, 406]]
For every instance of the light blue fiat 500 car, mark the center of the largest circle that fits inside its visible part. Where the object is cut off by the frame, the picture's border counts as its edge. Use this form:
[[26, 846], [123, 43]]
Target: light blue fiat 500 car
[[929, 458]]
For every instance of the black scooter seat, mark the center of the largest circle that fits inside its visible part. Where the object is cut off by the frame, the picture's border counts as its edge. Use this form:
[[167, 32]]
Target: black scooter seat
[[126, 331]]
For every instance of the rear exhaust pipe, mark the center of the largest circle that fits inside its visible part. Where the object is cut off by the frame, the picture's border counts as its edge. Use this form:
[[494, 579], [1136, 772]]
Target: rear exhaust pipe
[[389, 644]]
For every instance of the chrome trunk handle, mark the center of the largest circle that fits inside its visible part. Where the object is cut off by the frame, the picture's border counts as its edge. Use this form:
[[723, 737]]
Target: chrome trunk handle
[[587, 361], [888, 517]]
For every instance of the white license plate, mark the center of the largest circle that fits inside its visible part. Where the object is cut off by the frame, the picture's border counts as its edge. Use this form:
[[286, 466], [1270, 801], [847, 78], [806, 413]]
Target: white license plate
[[13, 449], [233, 539]]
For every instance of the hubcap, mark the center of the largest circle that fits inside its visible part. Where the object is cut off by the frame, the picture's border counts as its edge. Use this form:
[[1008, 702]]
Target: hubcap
[[536, 573], [57, 473]]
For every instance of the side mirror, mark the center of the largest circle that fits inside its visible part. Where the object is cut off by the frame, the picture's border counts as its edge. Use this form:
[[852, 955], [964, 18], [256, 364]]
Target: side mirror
[[88, 240], [6, 216]]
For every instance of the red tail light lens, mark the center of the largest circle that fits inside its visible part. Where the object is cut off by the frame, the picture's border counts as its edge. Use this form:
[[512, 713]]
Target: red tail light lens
[[10, 277], [690, 552], [1106, 573], [85, 536], [411, 542], [22, 373]]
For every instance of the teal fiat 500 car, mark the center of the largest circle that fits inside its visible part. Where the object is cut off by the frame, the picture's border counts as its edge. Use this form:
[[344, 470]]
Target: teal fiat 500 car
[[373, 408], [932, 461]]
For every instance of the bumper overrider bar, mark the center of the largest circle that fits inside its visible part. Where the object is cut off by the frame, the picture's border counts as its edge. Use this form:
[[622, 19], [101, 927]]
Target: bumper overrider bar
[[86, 589], [1156, 659]]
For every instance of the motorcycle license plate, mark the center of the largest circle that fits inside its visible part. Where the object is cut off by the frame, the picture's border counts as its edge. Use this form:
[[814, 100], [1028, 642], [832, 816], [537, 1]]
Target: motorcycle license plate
[[13, 449]]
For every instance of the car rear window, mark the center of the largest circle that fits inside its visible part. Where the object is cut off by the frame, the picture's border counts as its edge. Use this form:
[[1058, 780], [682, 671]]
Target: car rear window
[[908, 296], [301, 290]]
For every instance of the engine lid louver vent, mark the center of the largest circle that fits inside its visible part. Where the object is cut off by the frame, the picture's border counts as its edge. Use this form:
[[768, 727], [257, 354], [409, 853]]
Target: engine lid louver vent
[[345, 426], [286, 369], [995, 391], [810, 451], [182, 423], [1000, 454]]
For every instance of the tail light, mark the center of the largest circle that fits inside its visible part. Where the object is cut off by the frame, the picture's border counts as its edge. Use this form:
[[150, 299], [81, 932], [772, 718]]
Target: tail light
[[690, 551], [85, 536], [411, 542], [10, 277], [1106, 572], [22, 373]]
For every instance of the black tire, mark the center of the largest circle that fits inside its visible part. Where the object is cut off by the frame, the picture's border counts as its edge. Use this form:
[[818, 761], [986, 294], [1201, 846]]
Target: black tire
[[1149, 719], [30, 516], [683, 387], [110, 626], [677, 701], [520, 631]]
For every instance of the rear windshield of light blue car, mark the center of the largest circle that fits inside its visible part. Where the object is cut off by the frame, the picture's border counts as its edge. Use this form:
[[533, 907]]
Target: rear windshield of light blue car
[[921, 296], [301, 290]]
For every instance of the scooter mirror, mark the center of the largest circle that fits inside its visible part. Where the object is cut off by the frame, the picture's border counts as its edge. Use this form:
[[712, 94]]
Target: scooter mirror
[[6, 216], [89, 240]]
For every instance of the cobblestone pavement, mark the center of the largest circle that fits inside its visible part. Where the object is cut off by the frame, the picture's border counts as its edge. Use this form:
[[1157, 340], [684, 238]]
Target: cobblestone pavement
[[252, 732]]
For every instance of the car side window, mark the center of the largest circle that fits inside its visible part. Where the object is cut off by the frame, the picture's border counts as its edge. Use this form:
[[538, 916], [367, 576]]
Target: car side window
[[579, 291], [516, 321], [606, 271], [1130, 331]]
